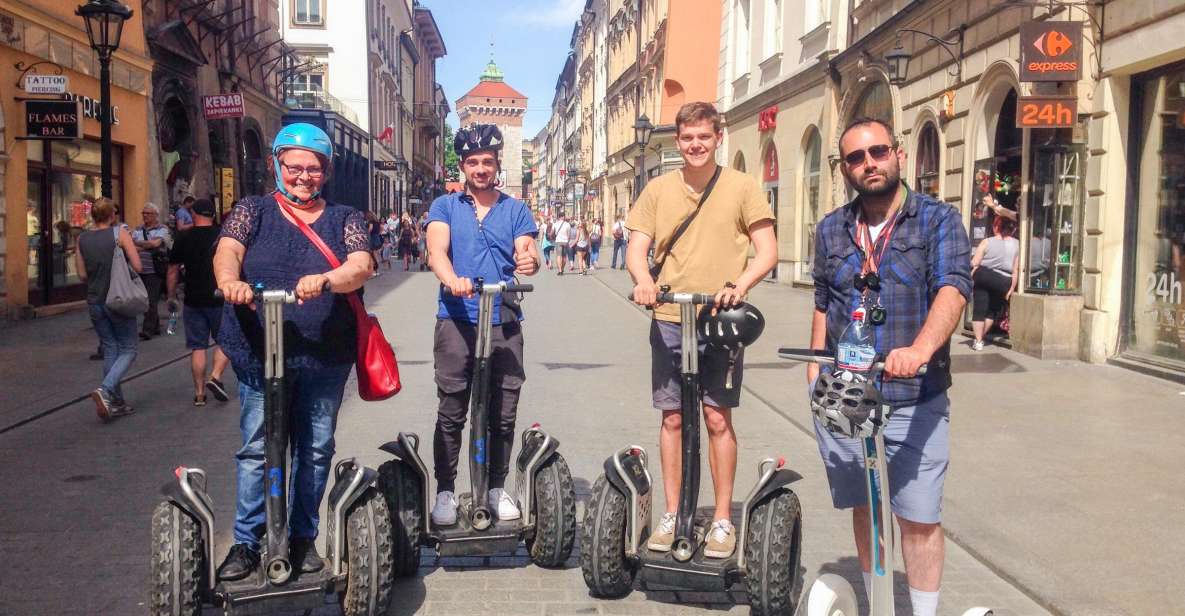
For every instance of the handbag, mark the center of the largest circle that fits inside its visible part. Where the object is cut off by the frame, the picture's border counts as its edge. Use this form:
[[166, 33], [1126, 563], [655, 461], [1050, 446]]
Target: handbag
[[160, 256], [378, 371], [126, 295], [656, 269]]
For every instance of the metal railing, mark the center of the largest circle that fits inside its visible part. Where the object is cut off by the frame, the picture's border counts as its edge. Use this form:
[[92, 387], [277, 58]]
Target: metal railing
[[319, 99]]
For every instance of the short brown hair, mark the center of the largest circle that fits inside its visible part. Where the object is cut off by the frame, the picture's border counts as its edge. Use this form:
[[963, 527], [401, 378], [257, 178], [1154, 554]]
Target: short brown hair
[[103, 210], [697, 112]]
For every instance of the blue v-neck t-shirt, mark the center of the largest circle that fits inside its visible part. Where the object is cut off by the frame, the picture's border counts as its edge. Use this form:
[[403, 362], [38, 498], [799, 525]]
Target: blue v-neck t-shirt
[[479, 249]]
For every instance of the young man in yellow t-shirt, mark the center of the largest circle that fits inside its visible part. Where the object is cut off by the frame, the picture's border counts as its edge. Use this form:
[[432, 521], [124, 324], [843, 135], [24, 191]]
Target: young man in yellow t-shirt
[[712, 252]]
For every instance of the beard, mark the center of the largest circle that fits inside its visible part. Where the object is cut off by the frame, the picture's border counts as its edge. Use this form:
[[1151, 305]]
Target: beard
[[891, 183]]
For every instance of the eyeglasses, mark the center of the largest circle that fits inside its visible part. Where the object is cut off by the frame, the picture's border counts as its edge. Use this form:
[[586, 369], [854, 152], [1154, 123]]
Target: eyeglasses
[[878, 152], [295, 171]]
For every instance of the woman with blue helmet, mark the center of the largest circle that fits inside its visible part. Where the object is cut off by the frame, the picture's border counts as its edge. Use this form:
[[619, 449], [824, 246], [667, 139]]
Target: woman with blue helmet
[[262, 243]]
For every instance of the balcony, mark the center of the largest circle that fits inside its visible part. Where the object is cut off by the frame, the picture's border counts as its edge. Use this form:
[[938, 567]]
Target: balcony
[[319, 99]]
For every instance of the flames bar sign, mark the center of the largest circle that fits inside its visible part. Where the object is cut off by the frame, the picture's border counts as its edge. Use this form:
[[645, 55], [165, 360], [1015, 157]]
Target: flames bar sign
[[1051, 51], [221, 106]]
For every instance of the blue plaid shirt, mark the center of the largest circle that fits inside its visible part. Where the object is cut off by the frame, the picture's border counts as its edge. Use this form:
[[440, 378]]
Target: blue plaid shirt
[[928, 250]]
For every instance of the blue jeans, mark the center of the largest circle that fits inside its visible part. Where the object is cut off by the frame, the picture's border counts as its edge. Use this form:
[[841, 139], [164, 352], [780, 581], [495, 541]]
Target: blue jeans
[[618, 249], [594, 252], [313, 401], [117, 339]]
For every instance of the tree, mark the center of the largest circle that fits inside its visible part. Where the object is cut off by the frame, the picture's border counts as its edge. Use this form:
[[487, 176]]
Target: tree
[[452, 172]]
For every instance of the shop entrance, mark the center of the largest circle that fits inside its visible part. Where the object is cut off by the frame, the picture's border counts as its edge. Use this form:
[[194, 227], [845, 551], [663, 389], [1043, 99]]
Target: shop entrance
[[769, 178], [63, 181]]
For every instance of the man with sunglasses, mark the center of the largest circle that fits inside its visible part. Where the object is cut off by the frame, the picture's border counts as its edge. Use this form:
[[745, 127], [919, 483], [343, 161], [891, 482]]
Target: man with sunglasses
[[904, 257]]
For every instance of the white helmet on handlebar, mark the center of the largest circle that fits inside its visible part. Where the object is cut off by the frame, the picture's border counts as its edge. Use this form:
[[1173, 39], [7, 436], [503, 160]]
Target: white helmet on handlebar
[[848, 404]]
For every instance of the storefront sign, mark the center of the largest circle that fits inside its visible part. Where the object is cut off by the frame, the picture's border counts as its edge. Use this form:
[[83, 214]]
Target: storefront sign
[[93, 109], [386, 165], [53, 120], [1051, 51], [45, 84], [222, 106], [769, 170], [228, 188], [767, 119], [1046, 111]]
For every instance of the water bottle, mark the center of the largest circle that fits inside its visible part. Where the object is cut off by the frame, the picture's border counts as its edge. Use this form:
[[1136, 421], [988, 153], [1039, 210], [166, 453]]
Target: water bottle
[[855, 351], [172, 322]]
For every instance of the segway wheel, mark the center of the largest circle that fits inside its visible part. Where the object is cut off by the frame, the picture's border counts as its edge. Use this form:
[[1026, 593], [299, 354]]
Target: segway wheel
[[368, 552], [773, 555], [404, 491], [555, 514], [178, 562], [602, 543]]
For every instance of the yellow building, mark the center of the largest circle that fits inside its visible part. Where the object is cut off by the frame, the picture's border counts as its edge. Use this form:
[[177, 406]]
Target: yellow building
[[45, 185]]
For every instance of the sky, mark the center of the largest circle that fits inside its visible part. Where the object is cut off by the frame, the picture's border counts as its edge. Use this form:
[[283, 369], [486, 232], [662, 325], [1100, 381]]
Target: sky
[[530, 46]]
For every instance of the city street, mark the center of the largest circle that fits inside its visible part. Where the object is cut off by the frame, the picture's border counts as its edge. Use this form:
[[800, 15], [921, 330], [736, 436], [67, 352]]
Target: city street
[[78, 494]]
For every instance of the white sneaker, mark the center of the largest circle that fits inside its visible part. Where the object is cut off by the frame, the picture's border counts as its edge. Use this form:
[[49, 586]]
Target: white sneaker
[[444, 513], [503, 505], [977, 345], [662, 538]]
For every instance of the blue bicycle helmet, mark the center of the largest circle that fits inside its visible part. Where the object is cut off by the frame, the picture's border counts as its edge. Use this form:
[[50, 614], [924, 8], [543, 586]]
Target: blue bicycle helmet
[[477, 138], [300, 136]]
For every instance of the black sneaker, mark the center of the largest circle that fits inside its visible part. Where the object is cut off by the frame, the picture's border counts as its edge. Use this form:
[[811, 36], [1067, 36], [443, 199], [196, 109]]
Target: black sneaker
[[304, 556], [214, 386], [239, 563]]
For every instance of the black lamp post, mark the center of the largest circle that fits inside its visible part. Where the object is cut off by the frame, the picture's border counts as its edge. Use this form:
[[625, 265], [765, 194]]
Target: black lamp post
[[642, 130], [898, 58], [400, 173], [104, 27]]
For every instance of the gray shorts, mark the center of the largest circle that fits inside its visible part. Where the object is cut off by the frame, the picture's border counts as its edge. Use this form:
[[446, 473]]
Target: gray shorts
[[917, 445], [666, 343]]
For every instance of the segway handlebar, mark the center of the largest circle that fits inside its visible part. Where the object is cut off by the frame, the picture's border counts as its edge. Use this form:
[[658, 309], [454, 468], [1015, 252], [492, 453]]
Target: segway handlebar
[[280, 295], [682, 298], [493, 288], [822, 357]]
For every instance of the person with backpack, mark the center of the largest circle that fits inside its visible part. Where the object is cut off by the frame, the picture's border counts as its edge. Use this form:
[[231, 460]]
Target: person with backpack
[[548, 241], [596, 232], [563, 237], [619, 241]]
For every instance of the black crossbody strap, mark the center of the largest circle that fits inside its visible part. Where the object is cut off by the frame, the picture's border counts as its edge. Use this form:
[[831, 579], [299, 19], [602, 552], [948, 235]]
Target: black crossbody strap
[[657, 267]]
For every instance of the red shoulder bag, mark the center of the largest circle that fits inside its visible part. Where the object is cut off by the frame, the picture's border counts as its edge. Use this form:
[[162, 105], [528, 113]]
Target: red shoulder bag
[[378, 372]]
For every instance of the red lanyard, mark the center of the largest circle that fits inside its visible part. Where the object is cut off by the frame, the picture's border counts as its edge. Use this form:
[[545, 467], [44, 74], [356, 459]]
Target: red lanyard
[[872, 256]]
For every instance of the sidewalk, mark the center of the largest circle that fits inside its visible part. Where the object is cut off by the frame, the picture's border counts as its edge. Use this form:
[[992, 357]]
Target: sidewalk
[[45, 363], [1063, 475]]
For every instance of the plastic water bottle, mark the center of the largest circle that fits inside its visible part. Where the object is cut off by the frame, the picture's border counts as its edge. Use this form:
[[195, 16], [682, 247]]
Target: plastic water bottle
[[855, 351], [172, 323]]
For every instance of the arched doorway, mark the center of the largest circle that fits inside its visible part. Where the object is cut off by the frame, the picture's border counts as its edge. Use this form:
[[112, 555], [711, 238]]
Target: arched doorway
[[875, 101], [998, 164], [738, 162], [769, 181], [812, 156]]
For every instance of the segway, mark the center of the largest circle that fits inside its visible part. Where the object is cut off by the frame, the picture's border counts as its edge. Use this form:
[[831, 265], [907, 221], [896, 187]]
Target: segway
[[542, 486], [831, 594], [617, 520], [184, 578]]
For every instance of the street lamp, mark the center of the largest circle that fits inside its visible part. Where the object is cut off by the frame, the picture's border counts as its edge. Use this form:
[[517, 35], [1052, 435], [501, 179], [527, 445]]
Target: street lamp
[[898, 58], [104, 27], [642, 130], [400, 172], [898, 61]]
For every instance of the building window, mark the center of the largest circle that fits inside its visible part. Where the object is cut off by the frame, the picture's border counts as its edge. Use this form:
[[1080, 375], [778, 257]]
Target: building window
[[927, 164], [741, 42], [816, 14], [874, 102], [308, 13], [811, 177], [313, 81], [772, 41]]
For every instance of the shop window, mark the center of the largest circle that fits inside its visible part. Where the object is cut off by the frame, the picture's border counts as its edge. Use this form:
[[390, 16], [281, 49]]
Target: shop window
[[1156, 316], [811, 176], [308, 13], [1055, 214], [926, 170]]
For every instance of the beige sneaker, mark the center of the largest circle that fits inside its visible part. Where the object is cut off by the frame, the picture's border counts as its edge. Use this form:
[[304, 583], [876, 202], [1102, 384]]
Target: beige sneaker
[[662, 538], [722, 540]]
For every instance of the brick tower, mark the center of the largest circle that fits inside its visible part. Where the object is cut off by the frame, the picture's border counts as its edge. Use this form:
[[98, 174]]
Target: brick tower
[[492, 101]]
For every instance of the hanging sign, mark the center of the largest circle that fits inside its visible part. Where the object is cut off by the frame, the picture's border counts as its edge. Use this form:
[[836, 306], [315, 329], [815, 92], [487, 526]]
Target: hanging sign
[[1051, 51], [228, 188], [767, 119], [222, 106], [1046, 111], [56, 119], [386, 165], [45, 84]]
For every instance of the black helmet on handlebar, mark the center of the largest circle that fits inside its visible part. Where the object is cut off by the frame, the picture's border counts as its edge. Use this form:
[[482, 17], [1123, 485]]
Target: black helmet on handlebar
[[731, 328], [848, 404]]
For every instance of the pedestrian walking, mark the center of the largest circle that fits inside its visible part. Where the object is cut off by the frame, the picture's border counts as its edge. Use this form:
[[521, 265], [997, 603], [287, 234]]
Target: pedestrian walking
[[191, 261], [995, 270], [619, 241], [480, 233], [712, 253], [563, 236], [596, 234], [407, 241], [117, 333], [913, 289], [580, 247], [422, 242], [263, 241], [548, 241], [153, 242], [374, 231], [183, 219]]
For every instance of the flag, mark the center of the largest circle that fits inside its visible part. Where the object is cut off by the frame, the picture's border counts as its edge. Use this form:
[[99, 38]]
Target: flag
[[387, 133]]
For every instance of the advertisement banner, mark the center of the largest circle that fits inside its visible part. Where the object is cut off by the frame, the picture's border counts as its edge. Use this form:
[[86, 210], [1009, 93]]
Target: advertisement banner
[[56, 119], [1051, 51], [222, 106], [228, 188]]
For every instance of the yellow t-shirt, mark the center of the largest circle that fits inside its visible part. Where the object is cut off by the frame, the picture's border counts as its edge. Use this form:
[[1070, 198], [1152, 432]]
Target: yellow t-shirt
[[715, 246]]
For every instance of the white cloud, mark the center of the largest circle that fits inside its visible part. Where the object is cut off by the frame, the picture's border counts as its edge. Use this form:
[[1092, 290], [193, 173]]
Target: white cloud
[[552, 13]]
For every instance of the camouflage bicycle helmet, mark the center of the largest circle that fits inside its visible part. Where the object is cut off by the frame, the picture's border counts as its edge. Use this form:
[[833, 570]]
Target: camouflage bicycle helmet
[[731, 328], [848, 404], [476, 138]]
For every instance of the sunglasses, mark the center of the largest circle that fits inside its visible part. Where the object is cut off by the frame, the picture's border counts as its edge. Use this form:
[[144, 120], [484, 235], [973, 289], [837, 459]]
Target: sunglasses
[[878, 152]]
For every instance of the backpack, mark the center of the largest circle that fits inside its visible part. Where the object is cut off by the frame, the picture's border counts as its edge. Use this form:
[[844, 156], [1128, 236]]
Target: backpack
[[550, 233], [618, 231]]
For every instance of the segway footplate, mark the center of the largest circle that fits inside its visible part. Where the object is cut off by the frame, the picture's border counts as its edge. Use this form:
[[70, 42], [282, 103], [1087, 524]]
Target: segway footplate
[[253, 595], [461, 539]]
